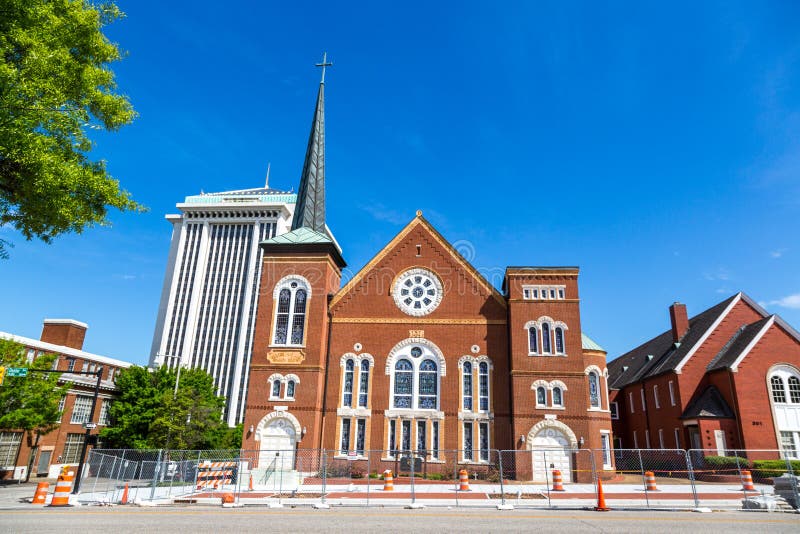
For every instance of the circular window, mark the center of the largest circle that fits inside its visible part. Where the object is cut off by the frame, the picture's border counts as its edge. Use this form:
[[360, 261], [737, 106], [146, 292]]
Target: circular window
[[417, 292], [416, 352]]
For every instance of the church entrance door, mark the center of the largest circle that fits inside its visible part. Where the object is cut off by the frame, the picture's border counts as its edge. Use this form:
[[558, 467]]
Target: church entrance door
[[277, 445], [551, 450]]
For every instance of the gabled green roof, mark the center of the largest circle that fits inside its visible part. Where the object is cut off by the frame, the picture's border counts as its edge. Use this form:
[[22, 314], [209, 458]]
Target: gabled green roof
[[588, 343], [301, 236]]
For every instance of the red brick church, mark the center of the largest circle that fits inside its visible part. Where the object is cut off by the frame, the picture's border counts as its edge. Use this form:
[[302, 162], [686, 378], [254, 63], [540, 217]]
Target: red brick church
[[418, 351]]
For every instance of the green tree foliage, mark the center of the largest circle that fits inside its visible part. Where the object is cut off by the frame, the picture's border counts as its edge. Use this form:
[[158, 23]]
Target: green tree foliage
[[149, 415], [56, 85], [29, 403]]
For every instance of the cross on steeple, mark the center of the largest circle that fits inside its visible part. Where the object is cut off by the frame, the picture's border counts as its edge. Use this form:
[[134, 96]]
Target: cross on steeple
[[324, 64]]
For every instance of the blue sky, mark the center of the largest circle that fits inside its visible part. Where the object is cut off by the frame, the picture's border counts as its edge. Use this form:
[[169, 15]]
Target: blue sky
[[655, 145]]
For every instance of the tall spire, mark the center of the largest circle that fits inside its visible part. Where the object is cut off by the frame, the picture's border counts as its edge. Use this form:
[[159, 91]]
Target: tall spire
[[310, 208]]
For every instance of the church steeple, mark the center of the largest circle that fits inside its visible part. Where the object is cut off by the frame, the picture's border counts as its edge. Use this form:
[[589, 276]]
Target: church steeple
[[310, 208]]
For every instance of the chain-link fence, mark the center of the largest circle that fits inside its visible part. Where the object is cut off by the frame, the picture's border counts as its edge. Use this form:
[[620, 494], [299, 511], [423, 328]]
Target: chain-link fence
[[552, 478]]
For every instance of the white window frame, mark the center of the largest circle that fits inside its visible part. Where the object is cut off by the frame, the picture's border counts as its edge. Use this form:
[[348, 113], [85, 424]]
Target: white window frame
[[286, 380], [286, 283], [630, 402], [10, 443], [538, 404], [468, 394], [677, 438], [72, 448], [671, 393], [655, 397], [614, 407], [647, 437], [103, 419], [427, 354], [488, 395], [605, 446], [82, 412], [635, 440], [661, 437], [644, 401]]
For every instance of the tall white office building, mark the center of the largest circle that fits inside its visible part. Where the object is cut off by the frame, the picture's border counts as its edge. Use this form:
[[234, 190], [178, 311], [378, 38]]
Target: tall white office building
[[210, 293]]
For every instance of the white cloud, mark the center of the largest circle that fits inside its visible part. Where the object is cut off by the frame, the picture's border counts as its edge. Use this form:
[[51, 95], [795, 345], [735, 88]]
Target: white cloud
[[789, 301], [721, 274], [777, 253], [382, 213]]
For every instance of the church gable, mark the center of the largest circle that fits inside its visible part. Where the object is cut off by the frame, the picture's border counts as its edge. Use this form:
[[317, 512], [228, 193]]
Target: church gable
[[418, 274]]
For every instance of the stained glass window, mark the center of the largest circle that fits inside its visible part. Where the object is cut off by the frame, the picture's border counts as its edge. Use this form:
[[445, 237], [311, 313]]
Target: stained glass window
[[557, 397], [435, 439], [483, 430], [483, 386], [392, 438], [594, 390], [345, 444], [421, 437], [559, 340], [361, 425], [299, 318], [467, 385], [290, 389], [347, 399], [276, 388], [778, 391], [468, 441], [546, 338], [406, 435], [403, 384], [363, 383], [427, 385], [533, 340], [541, 396], [282, 322]]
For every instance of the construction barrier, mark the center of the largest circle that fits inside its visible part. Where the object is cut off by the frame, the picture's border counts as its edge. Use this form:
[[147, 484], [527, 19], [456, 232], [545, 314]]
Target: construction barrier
[[63, 488], [40, 495], [215, 474], [747, 481], [388, 480], [650, 481], [558, 482], [463, 480]]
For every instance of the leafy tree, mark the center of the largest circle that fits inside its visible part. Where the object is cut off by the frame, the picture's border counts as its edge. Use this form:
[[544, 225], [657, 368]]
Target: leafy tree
[[149, 415], [55, 85], [29, 403]]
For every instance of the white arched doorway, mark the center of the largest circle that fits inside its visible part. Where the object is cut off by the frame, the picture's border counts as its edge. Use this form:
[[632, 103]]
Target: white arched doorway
[[277, 434], [551, 444]]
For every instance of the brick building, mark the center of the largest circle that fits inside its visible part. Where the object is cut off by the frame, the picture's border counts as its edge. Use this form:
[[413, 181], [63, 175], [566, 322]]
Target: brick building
[[727, 378], [62, 446], [417, 352]]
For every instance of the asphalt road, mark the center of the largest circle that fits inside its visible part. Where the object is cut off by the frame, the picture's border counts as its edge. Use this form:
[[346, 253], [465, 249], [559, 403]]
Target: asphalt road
[[215, 519]]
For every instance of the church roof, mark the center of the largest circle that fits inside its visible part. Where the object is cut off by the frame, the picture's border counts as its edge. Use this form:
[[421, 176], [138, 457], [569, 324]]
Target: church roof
[[310, 208], [710, 403], [740, 340], [299, 236], [588, 343]]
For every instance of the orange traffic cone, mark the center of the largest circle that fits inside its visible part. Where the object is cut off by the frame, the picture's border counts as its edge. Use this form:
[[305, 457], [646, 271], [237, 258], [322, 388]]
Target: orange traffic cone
[[463, 480], [747, 481], [124, 499], [650, 481], [63, 487], [388, 480], [251, 482], [601, 498]]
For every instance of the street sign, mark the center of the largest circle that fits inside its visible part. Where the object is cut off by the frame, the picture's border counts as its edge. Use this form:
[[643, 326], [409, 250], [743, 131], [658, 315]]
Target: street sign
[[16, 371], [89, 426]]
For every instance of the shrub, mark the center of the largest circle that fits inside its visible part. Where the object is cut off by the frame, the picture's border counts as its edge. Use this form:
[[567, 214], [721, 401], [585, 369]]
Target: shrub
[[726, 462], [435, 476], [774, 468]]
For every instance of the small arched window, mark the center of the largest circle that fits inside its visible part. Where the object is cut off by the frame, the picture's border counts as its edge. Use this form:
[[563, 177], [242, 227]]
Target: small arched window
[[347, 398], [559, 340], [290, 314], [290, 385], [794, 389], [778, 391], [403, 384], [427, 385], [467, 385], [558, 397], [276, 388], [533, 340], [594, 390], [483, 386], [541, 396], [546, 338], [363, 383]]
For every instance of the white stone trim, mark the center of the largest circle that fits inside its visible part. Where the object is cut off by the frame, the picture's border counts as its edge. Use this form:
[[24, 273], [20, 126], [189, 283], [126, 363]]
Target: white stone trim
[[704, 337], [390, 360], [347, 356], [596, 369], [543, 383], [291, 377], [353, 412], [298, 429], [746, 351], [550, 423], [407, 413], [286, 280], [398, 298]]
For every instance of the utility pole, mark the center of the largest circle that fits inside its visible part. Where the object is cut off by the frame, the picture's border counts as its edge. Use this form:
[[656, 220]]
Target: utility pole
[[89, 426]]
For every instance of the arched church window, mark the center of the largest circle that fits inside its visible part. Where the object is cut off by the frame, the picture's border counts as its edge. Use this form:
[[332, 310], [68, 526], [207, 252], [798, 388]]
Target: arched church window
[[347, 398], [778, 391], [559, 332], [403, 384], [467, 385], [290, 385], [363, 383], [558, 397], [533, 340], [541, 396], [546, 338], [290, 314], [483, 386], [428, 385], [276, 388], [594, 390]]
